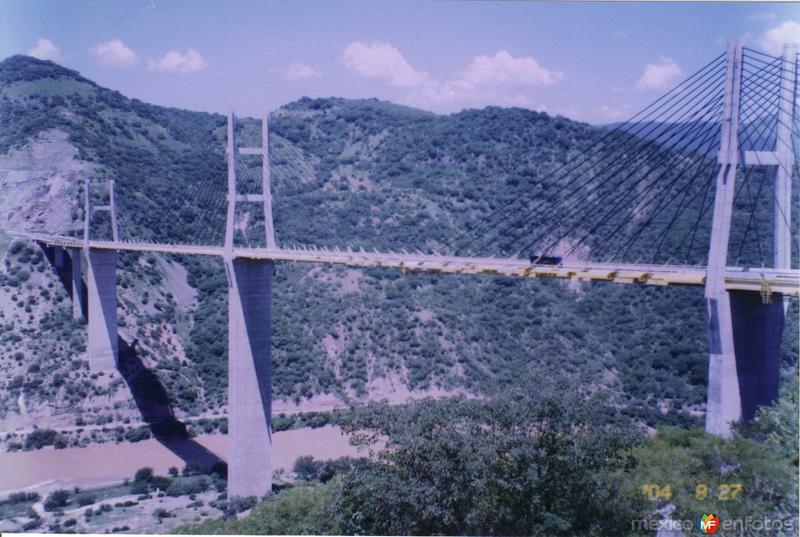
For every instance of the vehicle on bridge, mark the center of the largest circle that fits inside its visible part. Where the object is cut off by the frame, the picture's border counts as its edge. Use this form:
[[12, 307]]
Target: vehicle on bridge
[[537, 259]]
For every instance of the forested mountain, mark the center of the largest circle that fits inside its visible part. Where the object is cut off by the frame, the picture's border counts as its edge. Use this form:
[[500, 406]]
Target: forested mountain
[[345, 173]]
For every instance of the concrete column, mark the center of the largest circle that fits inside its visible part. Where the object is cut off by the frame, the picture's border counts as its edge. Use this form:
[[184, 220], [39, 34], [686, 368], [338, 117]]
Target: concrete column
[[249, 377], [744, 370], [102, 290], [723, 402], [59, 257], [77, 283], [757, 335]]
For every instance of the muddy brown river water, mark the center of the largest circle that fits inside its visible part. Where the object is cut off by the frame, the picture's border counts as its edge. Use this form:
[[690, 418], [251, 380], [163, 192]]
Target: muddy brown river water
[[109, 463]]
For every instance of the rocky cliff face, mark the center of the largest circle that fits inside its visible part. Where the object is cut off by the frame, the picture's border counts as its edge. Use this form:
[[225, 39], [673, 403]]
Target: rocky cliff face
[[40, 183], [42, 349]]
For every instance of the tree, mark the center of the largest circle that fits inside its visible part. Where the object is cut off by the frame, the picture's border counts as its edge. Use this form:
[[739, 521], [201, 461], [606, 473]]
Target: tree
[[734, 479], [305, 467], [56, 500], [143, 475], [777, 424], [538, 459]]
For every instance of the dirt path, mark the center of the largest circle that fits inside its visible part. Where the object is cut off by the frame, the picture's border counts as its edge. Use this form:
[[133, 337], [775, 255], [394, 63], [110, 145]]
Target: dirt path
[[108, 463]]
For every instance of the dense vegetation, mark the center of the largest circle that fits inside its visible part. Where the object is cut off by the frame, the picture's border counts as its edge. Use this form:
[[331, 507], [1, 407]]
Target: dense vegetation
[[539, 459]]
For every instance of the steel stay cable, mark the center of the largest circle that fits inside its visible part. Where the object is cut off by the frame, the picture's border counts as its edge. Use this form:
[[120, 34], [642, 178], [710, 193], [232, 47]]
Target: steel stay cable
[[650, 220], [630, 242], [666, 154], [655, 148], [709, 139], [645, 143], [593, 150]]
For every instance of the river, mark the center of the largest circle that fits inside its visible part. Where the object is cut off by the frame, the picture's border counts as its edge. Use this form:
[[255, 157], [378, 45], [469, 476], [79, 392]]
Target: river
[[102, 464]]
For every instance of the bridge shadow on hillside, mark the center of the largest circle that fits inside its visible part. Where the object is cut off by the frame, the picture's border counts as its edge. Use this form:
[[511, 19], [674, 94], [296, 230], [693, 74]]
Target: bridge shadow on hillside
[[153, 402], [148, 392], [63, 271]]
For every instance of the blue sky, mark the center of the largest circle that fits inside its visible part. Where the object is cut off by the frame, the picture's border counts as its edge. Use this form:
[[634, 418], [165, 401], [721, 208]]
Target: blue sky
[[596, 62]]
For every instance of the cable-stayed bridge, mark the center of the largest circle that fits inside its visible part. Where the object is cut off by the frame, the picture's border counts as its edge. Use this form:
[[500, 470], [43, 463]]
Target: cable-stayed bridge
[[762, 280], [696, 189]]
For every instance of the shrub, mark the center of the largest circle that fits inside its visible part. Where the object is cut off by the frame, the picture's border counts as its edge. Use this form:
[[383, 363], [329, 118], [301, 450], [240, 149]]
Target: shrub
[[189, 485], [161, 513], [22, 497], [239, 504], [301, 510], [56, 500], [43, 437], [143, 475], [85, 499], [305, 467], [138, 434], [192, 468]]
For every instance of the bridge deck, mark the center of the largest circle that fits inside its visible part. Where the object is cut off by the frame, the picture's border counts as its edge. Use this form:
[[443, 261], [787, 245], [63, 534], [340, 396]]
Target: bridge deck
[[747, 279]]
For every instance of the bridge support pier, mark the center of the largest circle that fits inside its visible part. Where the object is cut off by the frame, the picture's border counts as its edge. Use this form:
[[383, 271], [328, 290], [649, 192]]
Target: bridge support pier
[[249, 377], [745, 336], [77, 283], [59, 257], [757, 335], [723, 404], [103, 346], [69, 270]]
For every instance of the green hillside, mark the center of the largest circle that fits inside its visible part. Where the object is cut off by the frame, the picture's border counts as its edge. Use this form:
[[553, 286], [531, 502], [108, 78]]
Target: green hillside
[[374, 175]]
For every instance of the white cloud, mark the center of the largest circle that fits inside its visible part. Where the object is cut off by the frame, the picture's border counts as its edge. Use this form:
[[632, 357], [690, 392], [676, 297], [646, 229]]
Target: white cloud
[[786, 33], [175, 62], [45, 50], [659, 76], [297, 71], [114, 54], [382, 61], [505, 70], [501, 79]]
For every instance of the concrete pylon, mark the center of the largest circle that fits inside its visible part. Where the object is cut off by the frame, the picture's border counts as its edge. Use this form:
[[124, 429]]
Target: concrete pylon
[[745, 328], [723, 404], [77, 283], [249, 337], [785, 158], [103, 346], [249, 377]]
